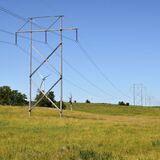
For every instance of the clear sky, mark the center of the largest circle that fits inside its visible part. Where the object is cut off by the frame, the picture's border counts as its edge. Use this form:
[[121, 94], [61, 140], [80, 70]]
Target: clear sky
[[121, 36]]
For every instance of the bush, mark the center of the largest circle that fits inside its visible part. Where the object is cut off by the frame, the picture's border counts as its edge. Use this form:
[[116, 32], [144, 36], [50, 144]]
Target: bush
[[88, 101], [123, 104]]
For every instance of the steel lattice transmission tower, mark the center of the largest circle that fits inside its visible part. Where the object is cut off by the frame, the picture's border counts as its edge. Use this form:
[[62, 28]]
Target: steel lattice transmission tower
[[45, 60], [138, 94]]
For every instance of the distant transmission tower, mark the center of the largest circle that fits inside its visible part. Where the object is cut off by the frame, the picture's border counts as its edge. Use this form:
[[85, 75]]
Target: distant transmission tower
[[138, 94], [45, 60]]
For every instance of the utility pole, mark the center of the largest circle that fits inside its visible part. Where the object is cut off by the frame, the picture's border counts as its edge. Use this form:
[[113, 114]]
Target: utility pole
[[46, 59]]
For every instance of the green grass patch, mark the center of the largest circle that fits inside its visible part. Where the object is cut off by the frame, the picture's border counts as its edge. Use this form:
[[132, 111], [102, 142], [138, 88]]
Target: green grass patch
[[108, 109]]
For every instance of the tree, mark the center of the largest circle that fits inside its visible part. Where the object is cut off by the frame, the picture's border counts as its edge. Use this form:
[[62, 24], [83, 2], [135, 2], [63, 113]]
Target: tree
[[45, 102], [11, 97], [121, 103], [17, 98], [5, 92]]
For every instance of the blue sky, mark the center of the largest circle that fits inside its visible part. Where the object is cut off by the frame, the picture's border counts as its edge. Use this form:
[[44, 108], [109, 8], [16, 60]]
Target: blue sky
[[122, 37]]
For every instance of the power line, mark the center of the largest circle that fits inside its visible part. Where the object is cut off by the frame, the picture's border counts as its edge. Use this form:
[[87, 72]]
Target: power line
[[53, 23], [98, 68], [9, 43], [84, 51], [12, 13], [55, 33], [19, 47], [80, 88], [68, 81], [83, 77], [95, 65], [21, 36]]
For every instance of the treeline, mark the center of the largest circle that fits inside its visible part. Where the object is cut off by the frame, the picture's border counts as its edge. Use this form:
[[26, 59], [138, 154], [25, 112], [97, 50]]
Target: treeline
[[11, 97], [121, 103], [15, 98]]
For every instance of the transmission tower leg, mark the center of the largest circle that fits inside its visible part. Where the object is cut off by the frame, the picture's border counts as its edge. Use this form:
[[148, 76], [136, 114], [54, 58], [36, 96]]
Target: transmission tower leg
[[61, 70], [30, 70]]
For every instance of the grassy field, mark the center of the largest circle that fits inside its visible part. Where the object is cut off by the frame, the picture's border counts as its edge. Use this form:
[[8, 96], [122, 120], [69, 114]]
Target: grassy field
[[90, 132]]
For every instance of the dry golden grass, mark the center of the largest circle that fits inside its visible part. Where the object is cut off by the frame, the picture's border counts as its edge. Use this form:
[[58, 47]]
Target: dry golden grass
[[79, 135]]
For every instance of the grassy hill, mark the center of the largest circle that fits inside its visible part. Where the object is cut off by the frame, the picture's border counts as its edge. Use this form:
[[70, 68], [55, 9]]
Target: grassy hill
[[90, 132], [108, 109]]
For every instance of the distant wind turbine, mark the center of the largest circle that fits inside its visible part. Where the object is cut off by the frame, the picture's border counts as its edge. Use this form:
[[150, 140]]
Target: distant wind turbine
[[43, 81]]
